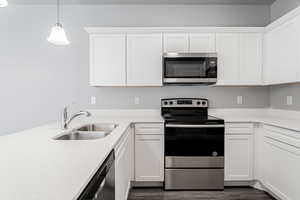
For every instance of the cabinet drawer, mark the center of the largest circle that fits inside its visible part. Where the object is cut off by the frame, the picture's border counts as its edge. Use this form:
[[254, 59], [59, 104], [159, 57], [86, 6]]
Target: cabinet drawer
[[283, 131], [122, 142], [238, 128], [149, 128], [149, 137], [288, 138]]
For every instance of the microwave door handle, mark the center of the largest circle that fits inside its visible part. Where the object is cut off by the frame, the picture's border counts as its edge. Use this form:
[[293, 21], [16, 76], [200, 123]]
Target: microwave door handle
[[194, 126]]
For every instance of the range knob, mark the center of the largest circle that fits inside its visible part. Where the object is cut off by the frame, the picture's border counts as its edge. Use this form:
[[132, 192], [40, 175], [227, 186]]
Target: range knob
[[204, 103], [198, 102], [166, 103], [171, 102]]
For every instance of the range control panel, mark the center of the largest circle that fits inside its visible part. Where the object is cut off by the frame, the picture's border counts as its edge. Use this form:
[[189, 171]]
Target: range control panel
[[185, 102]]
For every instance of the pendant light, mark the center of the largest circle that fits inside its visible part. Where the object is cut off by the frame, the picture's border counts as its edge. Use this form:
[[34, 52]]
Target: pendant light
[[3, 3], [58, 35]]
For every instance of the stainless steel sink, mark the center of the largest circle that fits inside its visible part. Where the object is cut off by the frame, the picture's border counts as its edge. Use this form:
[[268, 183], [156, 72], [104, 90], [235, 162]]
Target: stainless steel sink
[[98, 127], [88, 132]]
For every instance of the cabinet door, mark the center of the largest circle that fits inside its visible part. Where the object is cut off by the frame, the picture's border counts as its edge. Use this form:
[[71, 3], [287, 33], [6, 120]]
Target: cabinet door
[[123, 167], [288, 47], [282, 162], [269, 70], [282, 169], [238, 157], [202, 42], [228, 50], [250, 58], [176, 42], [107, 60], [149, 158], [282, 46], [144, 59]]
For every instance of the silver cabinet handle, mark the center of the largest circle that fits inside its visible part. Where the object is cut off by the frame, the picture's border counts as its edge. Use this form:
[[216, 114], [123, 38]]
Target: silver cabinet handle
[[194, 126]]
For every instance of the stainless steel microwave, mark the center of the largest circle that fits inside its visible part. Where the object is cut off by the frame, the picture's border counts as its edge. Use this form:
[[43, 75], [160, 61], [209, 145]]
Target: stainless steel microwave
[[190, 68]]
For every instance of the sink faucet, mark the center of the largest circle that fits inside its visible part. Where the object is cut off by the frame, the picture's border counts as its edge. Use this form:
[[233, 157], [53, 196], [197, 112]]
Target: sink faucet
[[66, 121]]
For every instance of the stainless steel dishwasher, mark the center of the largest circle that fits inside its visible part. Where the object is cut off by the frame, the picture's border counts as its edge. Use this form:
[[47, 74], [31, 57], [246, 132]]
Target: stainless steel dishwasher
[[102, 185]]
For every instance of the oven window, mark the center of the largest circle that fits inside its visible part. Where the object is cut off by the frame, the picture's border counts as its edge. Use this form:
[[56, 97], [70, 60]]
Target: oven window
[[194, 141]]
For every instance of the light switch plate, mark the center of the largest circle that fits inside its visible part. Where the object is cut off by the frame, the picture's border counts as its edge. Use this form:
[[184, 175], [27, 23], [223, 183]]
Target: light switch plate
[[93, 100], [239, 100], [289, 100], [136, 100]]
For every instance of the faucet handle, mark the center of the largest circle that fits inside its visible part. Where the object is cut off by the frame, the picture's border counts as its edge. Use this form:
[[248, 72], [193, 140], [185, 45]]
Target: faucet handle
[[65, 113], [64, 117]]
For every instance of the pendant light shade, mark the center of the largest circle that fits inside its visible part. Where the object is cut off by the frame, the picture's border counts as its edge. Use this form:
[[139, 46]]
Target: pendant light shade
[[3, 3], [58, 35]]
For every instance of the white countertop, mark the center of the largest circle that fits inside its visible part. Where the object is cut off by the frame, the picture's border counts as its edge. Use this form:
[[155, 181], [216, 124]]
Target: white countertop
[[280, 118], [34, 166]]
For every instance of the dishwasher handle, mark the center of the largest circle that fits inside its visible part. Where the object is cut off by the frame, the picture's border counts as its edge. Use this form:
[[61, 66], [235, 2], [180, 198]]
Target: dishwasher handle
[[195, 125]]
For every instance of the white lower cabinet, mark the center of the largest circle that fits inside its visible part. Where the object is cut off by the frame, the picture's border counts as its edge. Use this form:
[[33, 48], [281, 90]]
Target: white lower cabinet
[[282, 162], [123, 166], [239, 152], [149, 152]]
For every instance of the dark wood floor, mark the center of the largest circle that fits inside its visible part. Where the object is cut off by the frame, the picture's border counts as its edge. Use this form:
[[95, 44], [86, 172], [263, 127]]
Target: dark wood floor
[[227, 194]]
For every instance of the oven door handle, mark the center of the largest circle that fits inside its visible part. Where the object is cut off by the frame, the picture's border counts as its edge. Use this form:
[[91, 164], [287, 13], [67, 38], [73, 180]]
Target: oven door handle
[[194, 126]]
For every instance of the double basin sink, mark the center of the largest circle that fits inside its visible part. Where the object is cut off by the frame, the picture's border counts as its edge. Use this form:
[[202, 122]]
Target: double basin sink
[[88, 132]]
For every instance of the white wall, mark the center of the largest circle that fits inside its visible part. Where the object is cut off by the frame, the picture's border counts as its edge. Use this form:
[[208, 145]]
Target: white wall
[[279, 93], [38, 79]]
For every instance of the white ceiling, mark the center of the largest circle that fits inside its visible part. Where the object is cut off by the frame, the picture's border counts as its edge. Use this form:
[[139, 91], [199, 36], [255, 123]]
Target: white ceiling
[[41, 2]]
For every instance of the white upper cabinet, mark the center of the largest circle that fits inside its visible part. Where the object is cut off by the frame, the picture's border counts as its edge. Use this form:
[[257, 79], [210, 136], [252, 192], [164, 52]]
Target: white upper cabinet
[[108, 60], [133, 56], [144, 59], [282, 47], [228, 50], [239, 58], [176, 42], [250, 58], [268, 61], [202, 42]]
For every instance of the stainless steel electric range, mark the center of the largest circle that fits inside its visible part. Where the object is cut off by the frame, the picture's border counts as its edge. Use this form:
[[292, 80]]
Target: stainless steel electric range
[[194, 145]]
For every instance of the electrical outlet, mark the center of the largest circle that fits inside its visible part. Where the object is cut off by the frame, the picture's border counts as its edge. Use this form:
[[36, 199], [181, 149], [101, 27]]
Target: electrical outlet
[[93, 100], [289, 100], [239, 100], [136, 100]]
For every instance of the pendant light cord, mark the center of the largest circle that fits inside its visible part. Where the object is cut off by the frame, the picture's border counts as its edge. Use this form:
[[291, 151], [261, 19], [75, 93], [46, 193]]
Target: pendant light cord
[[58, 17]]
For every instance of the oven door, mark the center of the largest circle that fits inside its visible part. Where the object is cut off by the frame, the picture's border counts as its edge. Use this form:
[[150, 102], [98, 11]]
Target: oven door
[[185, 140], [190, 70]]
